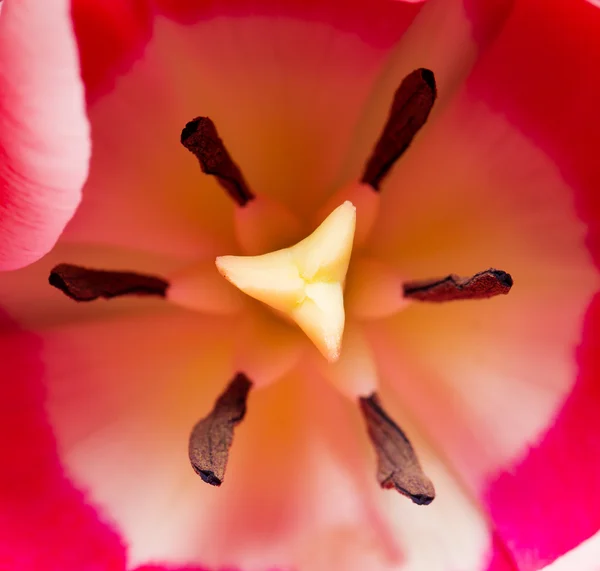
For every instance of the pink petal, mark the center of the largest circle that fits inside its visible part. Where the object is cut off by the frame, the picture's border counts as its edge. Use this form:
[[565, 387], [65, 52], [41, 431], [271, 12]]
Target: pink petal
[[461, 30], [45, 522], [298, 492], [110, 36], [44, 140], [123, 395], [538, 76], [269, 111], [556, 482], [497, 199], [451, 522]]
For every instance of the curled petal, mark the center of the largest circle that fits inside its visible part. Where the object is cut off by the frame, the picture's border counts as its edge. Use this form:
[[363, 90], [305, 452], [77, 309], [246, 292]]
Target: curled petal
[[44, 141]]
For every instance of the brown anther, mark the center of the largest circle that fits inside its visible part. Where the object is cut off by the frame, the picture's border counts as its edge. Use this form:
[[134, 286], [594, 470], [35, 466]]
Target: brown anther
[[480, 286], [200, 137], [85, 284], [410, 109], [212, 436], [397, 463]]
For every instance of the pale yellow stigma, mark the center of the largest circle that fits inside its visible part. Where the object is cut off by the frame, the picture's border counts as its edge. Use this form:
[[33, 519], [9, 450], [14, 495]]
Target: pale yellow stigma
[[304, 281]]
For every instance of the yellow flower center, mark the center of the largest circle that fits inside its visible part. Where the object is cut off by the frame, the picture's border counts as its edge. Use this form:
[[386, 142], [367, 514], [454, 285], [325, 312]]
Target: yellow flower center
[[304, 282]]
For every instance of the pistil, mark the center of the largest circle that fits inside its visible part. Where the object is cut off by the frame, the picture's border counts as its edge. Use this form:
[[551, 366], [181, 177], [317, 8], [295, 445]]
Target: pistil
[[305, 281]]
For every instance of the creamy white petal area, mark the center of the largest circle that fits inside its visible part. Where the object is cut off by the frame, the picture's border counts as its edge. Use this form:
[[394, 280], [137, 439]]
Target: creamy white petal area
[[395, 534], [584, 557]]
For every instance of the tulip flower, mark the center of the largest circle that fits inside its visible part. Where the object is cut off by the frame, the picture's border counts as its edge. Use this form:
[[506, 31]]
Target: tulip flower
[[276, 334]]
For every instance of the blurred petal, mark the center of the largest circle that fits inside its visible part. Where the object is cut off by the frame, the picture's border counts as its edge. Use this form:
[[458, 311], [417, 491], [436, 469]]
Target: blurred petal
[[45, 522], [44, 141], [110, 36]]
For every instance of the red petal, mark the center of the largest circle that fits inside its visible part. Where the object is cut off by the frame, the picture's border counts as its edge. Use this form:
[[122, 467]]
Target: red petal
[[110, 36], [375, 22]]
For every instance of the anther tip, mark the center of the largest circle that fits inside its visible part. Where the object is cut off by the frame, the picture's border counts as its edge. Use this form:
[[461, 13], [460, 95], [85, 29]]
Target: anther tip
[[503, 277], [190, 128], [207, 476], [422, 500], [428, 78]]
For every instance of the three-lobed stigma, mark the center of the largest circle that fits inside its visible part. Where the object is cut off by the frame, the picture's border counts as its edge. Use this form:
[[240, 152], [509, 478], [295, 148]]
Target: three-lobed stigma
[[305, 281]]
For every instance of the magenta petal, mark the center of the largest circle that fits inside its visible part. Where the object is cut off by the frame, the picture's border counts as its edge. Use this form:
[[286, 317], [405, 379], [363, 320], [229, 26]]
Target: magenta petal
[[541, 74], [376, 22], [175, 568], [549, 503], [501, 558], [538, 74], [44, 140], [45, 522]]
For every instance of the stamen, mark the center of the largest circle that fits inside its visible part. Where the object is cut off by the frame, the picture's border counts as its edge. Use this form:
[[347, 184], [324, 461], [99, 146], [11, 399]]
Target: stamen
[[212, 436], [200, 137], [412, 104], [397, 463], [480, 286], [84, 284]]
